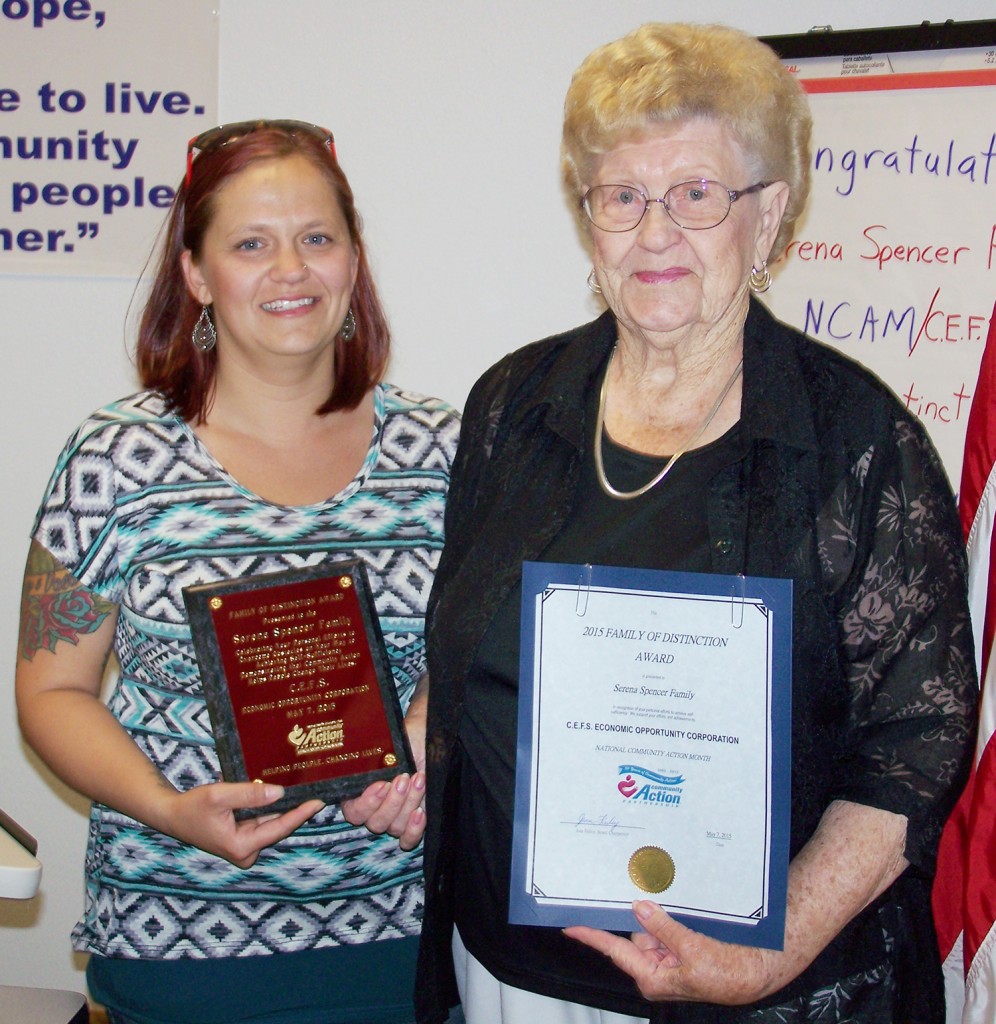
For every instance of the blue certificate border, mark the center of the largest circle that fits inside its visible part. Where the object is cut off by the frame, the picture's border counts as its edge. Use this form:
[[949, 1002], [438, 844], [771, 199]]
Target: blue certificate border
[[776, 595]]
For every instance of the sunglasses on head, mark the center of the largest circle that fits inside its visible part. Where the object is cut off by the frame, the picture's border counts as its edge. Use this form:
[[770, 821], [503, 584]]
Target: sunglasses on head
[[215, 138]]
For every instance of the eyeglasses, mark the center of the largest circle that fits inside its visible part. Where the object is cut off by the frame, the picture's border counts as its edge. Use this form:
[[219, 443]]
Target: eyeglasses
[[694, 205], [215, 138]]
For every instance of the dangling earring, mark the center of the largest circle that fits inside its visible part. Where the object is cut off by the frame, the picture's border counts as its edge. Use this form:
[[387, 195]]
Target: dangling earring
[[760, 280], [204, 336], [593, 283], [348, 328]]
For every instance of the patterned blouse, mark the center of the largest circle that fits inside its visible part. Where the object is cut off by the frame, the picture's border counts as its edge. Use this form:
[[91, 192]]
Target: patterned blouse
[[138, 509]]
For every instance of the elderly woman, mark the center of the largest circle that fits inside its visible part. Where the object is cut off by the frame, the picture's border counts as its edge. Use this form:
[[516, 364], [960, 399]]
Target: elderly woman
[[261, 441], [686, 429]]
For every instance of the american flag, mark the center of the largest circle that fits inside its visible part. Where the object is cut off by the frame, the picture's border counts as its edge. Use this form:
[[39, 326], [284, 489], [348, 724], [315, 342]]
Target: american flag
[[965, 886]]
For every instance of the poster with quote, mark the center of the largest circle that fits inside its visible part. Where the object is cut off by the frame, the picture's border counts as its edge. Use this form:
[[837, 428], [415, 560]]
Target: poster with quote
[[894, 260], [97, 101]]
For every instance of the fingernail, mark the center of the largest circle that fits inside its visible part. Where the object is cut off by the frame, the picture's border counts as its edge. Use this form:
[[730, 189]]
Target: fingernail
[[420, 782], [401, 783], [643, 909], [273, 792]]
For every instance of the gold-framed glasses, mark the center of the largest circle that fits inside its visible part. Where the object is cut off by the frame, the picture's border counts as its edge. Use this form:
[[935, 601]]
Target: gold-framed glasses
[[694, 205]]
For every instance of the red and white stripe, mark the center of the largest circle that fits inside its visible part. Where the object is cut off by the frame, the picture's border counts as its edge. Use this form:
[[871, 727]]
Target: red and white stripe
[[965, 886]]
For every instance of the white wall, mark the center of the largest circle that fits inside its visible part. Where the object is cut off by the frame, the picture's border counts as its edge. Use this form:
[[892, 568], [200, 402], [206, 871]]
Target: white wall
[[447, 121]]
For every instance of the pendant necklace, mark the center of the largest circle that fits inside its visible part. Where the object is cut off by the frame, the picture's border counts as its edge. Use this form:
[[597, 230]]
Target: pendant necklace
[[600, 430]]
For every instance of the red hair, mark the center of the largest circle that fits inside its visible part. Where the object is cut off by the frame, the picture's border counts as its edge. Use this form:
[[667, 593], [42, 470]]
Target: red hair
[[167, 361]]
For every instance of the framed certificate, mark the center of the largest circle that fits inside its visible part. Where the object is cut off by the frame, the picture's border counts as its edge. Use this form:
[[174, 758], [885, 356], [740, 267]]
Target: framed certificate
[[654, 751], [298, 685]]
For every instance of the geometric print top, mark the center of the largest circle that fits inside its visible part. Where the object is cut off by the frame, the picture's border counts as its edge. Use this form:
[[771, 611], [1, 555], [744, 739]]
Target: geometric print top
[[137, 509]]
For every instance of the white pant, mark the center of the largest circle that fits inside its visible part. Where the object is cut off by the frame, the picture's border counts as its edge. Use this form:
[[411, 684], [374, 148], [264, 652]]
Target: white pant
[[486, 1000]]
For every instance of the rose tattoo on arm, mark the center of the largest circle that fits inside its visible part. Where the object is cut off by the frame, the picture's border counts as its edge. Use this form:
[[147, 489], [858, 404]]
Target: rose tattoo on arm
[[55, 606]]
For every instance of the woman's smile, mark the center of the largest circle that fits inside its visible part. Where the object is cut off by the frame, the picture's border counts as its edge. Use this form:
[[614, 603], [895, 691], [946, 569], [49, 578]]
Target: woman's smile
[[661, 276], [289, 305]]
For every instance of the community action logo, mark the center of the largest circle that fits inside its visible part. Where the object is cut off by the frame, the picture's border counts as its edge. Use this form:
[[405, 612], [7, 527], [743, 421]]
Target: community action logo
[[318, 737], [652, 787]]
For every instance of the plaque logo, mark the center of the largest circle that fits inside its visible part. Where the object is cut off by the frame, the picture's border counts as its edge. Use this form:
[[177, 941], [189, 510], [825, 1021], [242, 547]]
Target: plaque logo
[[316, 738]]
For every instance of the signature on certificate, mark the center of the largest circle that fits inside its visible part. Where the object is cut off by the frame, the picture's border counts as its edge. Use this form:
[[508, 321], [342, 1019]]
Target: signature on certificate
[[601, 824]]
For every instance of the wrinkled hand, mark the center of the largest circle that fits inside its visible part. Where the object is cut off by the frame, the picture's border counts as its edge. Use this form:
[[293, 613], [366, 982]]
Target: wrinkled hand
[[393, 807], [671, 962], [205, 818]]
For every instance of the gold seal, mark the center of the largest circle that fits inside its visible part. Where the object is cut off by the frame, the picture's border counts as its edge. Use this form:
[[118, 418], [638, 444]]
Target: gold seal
[[215, 603], [345, 582], [390, 760], [651, 868]]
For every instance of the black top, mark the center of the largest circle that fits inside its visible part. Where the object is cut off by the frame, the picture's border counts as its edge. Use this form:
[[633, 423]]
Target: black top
[[835, 486], [603, 531]]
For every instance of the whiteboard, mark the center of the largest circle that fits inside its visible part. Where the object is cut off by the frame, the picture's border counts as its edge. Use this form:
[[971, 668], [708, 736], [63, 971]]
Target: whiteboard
[[894, 260]]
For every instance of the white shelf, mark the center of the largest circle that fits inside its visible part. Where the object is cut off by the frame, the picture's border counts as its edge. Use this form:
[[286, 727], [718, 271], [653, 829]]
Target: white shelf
[[20, 872]]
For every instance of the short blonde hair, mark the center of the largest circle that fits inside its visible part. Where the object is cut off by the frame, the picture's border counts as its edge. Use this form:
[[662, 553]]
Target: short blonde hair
[[663, 74]]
